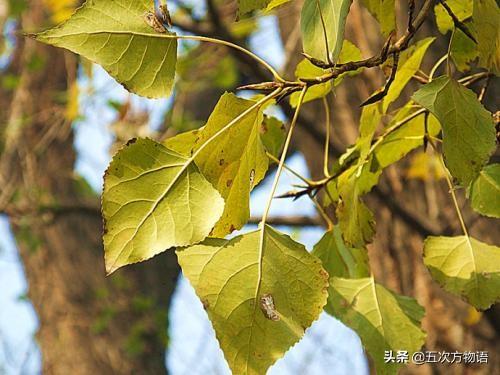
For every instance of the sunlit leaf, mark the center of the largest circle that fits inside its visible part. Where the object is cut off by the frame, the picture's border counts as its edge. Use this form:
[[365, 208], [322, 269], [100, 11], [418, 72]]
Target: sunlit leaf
[[334, 14], [184, 143], [60, 10], [383, 320], [466, 267], [261, 291], [275, 3], [247, 6], [485, 191], [154, 199], [237, 162], [114, 34], [468, 135]]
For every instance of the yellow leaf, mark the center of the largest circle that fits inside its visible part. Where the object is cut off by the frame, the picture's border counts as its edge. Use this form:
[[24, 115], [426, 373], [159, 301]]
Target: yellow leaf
[[72, 107], [425, 167], [60, 10], [473, 316]]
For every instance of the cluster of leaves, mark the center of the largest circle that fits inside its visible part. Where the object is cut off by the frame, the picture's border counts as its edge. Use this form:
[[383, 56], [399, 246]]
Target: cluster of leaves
[[262, 289]]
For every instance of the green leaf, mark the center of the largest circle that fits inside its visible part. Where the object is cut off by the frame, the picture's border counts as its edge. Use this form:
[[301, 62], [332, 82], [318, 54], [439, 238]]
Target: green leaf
[[248, 6], [154, 199], [356, 221], [349, 52], [237, 162], [234, 279], [468, 130], [183, 143], [340, 260], [334, 14], [461, 8], [405, 139], [275, 3], [486, 16], [466, 267], [463, 50], [382, 319], [368, 123], [409, 64], [273, 134], [114, 34], [383, 11], [485, 191]]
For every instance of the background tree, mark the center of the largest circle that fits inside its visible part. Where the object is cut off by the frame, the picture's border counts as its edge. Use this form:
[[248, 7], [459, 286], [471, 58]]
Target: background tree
[[112, 325]]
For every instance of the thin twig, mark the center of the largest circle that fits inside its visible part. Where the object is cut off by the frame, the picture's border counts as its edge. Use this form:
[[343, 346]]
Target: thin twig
[[380, 95], [458, 24], [452, 190], [326, 156]]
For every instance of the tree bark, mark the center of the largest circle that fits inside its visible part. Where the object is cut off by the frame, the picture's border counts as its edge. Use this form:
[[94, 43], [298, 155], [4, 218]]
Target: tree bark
[[89, 323]]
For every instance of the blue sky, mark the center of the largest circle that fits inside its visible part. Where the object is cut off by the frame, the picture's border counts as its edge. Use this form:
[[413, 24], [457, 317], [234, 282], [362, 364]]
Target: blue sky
[[327, 347]]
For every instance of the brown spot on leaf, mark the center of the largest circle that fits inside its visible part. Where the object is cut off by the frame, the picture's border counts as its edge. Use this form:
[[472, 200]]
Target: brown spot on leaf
[[229, 183], [252, 177], [221, 161], [205, 303], [131, 141]]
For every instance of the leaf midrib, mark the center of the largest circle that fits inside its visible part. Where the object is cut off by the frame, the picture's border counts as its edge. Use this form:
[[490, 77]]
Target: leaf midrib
[[117, 32]]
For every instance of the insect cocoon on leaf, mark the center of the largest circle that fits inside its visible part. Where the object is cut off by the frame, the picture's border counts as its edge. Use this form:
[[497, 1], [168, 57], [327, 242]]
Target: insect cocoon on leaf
[[268, 308]]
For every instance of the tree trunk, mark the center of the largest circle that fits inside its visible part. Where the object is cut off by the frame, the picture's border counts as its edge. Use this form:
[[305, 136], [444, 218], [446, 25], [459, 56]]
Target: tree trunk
[[89, 323]]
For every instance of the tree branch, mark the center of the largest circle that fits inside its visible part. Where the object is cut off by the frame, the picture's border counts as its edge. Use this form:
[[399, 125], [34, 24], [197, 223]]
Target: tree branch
[[289, 221], [458, 24]]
